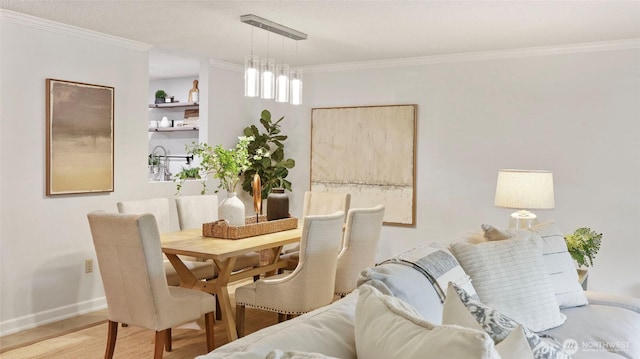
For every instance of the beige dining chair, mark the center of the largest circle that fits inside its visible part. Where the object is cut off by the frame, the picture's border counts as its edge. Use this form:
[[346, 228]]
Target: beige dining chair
[[130, 261], [159, 208], [359, 246], [317, 203], [310, 285]]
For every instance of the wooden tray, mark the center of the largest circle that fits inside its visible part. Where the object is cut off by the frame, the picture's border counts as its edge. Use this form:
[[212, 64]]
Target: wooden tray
[[222, 229]]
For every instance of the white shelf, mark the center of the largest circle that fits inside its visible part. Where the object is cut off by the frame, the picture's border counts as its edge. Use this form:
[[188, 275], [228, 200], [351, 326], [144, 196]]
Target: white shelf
[[174, 105], [174, 129]]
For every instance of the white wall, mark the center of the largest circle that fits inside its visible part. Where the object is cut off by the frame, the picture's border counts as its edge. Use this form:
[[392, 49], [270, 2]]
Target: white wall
[[577, 115], [44, 241]]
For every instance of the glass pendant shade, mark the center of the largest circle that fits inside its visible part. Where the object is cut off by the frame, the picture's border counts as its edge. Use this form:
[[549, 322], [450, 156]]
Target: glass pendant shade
[[296, 87], [282, 83], [251, 76], [268, 85]]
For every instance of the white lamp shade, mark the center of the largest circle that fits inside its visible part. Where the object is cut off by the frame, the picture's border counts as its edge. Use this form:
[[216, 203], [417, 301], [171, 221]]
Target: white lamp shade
[[524, 189]]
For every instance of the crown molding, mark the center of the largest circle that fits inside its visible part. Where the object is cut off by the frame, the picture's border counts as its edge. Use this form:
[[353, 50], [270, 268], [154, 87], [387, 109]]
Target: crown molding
[[69, 30], [223, 65], [480, 56]]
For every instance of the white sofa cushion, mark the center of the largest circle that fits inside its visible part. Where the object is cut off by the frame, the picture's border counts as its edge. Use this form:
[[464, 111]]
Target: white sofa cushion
[[511, 277], [290, 354], [386, 327], [497, 325], [327, 330], [560, 265]]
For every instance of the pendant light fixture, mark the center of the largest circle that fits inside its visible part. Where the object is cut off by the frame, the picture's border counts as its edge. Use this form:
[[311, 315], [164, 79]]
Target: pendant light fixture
[[267, 76], [295, 85], [251, 73], [274, 81], [282, 79]]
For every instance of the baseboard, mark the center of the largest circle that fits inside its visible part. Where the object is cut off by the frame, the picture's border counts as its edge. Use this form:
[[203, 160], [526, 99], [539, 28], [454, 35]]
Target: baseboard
[[52, 315]]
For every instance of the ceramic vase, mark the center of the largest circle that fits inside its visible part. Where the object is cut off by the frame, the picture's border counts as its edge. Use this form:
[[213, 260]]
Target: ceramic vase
[[277, 204], [232, 209]]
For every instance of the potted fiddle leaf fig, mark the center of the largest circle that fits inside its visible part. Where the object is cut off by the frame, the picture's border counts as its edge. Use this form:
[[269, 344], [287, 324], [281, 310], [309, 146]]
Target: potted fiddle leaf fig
[[266, 156]]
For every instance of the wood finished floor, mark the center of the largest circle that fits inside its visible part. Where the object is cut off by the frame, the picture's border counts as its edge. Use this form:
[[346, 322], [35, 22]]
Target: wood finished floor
[[85, 335]]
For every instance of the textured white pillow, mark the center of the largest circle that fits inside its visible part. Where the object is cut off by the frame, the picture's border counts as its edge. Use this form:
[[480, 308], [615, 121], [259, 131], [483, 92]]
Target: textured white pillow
[[460, 308], [386, 327], [511, 277], [560, 266]]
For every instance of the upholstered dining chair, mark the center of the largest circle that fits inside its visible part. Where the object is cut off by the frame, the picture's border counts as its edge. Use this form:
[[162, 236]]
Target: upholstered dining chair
[[310, 285], [130, 261], [325, 203], [316, 203], [159, 208], [359, 246]]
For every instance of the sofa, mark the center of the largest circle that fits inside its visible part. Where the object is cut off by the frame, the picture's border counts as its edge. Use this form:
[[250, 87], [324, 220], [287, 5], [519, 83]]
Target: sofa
[[596, 325]]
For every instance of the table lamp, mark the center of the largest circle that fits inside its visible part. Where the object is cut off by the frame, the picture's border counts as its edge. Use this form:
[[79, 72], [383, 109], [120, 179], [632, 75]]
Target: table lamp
[[524, 189]]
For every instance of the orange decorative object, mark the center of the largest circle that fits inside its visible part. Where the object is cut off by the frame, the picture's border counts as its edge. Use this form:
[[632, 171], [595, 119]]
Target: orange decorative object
[[256, 187]]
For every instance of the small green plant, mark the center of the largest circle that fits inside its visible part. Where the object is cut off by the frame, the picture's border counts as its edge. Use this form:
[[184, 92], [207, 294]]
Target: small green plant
[[583, 245], [185, 174], [226, 165], [161, 94], [153, 161]]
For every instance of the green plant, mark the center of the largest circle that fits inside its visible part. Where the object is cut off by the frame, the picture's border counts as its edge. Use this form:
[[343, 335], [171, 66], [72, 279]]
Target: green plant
[[153, 161], [185, 174], [161, 94], [583, 245], [266, 156], [227, 165]]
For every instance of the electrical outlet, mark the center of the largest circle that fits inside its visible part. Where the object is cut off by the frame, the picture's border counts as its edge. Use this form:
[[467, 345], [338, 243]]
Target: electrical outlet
[[88, 265]]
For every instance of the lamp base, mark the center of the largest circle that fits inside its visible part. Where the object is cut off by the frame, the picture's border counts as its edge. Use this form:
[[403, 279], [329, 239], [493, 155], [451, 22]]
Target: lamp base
[[522, 219]]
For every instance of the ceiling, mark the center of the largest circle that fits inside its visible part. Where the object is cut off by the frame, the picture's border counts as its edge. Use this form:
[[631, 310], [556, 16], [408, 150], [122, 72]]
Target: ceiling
[[340, 31]]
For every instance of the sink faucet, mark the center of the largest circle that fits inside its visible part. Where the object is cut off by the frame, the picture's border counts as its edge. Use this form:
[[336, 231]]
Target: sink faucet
[[163, 165]]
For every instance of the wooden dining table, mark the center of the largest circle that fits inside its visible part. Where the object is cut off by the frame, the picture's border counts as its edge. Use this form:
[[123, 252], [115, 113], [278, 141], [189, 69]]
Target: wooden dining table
[[224, 253]]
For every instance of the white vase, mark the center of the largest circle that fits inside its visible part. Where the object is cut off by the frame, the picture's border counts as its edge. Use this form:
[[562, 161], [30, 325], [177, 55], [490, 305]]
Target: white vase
[[232, 209]]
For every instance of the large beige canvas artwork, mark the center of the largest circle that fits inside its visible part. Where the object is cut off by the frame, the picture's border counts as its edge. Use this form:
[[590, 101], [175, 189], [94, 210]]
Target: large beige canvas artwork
[[79, 138], [368, 152]]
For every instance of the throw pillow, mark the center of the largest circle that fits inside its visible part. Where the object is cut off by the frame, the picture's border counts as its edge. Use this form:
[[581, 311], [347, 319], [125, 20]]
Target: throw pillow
[[438, 265], [386, 327], [511, 277], [558, 261], [461, 309]]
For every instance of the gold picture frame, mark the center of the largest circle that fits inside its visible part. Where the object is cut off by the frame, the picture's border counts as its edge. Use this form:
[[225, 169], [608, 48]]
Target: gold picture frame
[[369, 152], [80, 138]]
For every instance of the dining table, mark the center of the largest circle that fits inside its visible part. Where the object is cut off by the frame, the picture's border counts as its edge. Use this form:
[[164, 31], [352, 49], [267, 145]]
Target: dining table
[[224, 252]]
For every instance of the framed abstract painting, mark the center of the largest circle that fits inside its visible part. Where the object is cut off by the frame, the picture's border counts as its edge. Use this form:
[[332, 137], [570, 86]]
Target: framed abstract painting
[[80, 119], [369, 152]]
